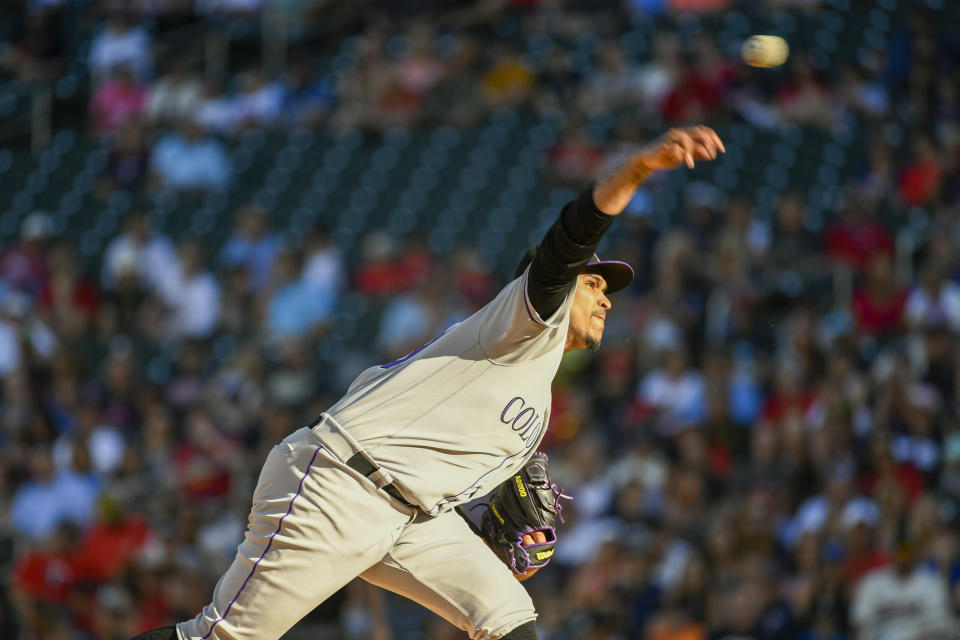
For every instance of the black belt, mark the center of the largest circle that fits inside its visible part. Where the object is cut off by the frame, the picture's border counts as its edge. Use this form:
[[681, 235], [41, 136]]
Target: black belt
[[359, 463]]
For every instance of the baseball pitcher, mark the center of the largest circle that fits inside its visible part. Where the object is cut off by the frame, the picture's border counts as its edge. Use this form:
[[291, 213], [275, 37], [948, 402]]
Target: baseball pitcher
[[371, 488]]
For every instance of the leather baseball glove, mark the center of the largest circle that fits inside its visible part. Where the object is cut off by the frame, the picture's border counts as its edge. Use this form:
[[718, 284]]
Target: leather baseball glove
[[524, 505]]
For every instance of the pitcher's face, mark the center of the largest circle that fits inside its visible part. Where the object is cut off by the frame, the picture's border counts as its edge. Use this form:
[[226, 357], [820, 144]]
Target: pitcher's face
[[588, 313]]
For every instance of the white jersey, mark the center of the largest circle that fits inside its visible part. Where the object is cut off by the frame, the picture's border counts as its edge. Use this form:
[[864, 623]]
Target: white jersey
[[458, 416], [888, 607]]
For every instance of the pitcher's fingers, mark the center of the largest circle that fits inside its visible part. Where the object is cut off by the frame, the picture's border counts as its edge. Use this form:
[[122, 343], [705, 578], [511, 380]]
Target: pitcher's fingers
[[716, 138], [688, 145], [533, 538], [677, 151], [706, 141]]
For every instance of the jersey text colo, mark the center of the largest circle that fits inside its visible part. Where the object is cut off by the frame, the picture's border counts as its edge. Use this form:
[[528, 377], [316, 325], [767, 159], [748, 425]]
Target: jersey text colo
[[526, 421]]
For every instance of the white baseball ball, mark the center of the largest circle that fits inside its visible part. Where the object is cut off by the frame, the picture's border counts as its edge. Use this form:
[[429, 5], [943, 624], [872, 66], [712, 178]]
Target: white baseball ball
[[765, 51]]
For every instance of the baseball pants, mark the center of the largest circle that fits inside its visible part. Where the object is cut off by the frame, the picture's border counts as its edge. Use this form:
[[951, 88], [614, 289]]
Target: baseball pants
[[316, 524]]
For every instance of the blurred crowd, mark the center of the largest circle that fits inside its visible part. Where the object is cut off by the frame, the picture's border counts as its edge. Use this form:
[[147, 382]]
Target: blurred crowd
[[766, 445]]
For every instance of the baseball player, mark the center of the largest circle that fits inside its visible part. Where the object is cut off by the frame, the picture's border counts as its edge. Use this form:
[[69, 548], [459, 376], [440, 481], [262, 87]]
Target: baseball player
[[371, 488]]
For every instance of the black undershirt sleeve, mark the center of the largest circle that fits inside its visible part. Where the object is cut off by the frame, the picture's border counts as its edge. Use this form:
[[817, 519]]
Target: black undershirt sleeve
[[564, 252]]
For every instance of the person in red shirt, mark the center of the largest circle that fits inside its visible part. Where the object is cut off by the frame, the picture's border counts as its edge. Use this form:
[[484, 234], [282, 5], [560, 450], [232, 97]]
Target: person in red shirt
[[48, 573], [108, 545], [703, 83], [855, 238], [920, 179], [376, 276], [886, 475], [205, 462], [862, 553], [575, 157], [878, 305], [68, 299], [805, 100], [790, 397]]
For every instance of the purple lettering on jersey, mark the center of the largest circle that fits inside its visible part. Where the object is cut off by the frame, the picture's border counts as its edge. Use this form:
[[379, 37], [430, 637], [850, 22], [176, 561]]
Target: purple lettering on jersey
[[534, 427], [530, 412], [503, 414], [526, 421]]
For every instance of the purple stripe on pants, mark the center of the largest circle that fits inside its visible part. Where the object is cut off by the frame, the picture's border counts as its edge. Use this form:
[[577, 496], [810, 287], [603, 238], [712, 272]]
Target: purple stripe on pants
[[269, 543]]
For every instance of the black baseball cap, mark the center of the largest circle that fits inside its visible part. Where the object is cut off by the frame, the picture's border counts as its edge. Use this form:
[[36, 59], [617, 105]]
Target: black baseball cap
[[617, 274]]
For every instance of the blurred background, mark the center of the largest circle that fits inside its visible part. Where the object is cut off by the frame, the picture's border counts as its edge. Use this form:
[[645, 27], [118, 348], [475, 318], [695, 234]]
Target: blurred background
[[215, 213]]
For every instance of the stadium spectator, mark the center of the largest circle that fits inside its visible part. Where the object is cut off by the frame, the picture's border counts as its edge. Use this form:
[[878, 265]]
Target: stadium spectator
[[575, 157], [174, 96], [695, 93], [52, 497], [920, 179], [70, 301], [190, 161], [25, 338], [508, 81], [418, 68], [149, 256], [186, 384], [324, 270], [408, 322], [934, 301], [657, 78], [128, 162], [258, 100], [109, 544], [863, 93], [103, 443], [252, 246], [470, 276], [295, 309], [902, 601], [307, 101], [48, 572], [878, 305], [121, 43], [376, 274], [793, 242], [24, 266], [218, 112], [674, 392], [204, 463], [193, 295], [117, 101], [855, 239], [878, 184], [806, 100]]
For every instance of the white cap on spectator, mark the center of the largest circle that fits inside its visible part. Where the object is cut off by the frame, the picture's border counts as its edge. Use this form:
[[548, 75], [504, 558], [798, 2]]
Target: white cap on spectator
[[36, 226], [859, 511], [125, 262]]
